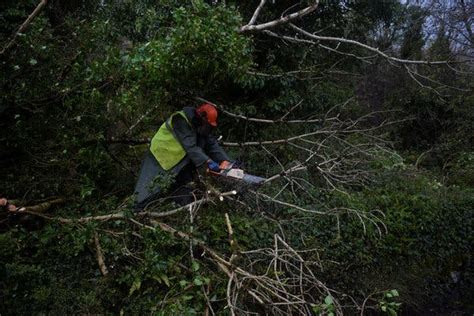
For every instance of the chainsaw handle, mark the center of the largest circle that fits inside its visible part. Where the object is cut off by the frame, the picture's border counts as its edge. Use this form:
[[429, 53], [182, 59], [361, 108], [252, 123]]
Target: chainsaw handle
[[225, 165], [213, 172]]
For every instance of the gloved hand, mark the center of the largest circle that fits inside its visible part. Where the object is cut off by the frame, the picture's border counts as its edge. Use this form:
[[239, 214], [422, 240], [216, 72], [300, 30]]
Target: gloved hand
[[232, 164], [212, 165]]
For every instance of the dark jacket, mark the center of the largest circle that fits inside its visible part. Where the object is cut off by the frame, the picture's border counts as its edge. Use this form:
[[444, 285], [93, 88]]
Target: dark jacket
[[199, 148]]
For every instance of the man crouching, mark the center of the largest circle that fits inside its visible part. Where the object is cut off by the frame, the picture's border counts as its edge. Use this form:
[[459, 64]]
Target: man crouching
[[183, 144]]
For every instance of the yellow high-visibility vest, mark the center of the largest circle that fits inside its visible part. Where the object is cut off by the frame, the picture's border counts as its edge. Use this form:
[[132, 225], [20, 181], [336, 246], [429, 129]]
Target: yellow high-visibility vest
[[165, 146]]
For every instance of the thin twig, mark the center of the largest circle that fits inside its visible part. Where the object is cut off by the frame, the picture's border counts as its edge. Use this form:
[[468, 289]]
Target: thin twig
[[367, 47]]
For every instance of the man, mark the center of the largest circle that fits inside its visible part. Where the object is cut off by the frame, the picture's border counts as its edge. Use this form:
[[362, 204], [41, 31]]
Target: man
[[183, 144]]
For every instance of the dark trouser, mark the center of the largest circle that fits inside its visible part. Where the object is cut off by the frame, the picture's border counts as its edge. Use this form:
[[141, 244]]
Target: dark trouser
[[146, 192], [181, 191]]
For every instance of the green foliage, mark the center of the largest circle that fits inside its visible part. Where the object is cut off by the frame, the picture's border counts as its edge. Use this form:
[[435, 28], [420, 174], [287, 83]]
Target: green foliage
[[461, 170], [38, 269], [387, 305], [85, 74], [426, 222], [327, 308], [202, 50]]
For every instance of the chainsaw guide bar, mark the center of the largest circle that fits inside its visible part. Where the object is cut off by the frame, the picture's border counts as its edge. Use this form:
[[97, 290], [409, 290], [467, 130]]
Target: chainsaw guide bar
[[238, 174]]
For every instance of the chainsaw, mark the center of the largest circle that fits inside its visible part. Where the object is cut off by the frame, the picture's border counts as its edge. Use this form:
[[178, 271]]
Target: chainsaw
[[230, 171]]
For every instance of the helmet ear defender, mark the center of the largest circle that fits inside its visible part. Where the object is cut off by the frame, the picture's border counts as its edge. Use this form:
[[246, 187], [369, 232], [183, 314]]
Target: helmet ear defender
[[202, 116], [207, 113]]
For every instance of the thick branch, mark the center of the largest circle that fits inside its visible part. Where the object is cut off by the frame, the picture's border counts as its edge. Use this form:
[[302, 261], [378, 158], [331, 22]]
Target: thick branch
[[42, 207], [100, 255], [256, 13], [276, 141], [120, 215], [284, 19]]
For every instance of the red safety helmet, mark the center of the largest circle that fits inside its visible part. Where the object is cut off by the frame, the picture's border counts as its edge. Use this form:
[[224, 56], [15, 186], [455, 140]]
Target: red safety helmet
[[209, 112]]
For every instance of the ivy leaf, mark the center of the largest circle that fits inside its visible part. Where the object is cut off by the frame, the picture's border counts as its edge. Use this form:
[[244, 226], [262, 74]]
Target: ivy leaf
[[195, 266], [328, 300], [164, 277], [135, 286], [187, 297], [392, 312], [197, 281]]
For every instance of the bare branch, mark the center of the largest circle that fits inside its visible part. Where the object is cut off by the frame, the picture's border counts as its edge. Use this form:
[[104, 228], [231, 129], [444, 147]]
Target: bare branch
[[268, 121], [285, 173], [42, 207], [256, 13], [141, 118], [370, 48], [284, 19], [25, 25], [232, 241], [274, 142], [269, 198], [122, 215], [100, 255], [328, 131], [410, 72]]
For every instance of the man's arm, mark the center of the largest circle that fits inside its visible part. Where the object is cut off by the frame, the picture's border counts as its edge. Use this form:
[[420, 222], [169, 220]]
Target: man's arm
[[187, 137], [215, 151]]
